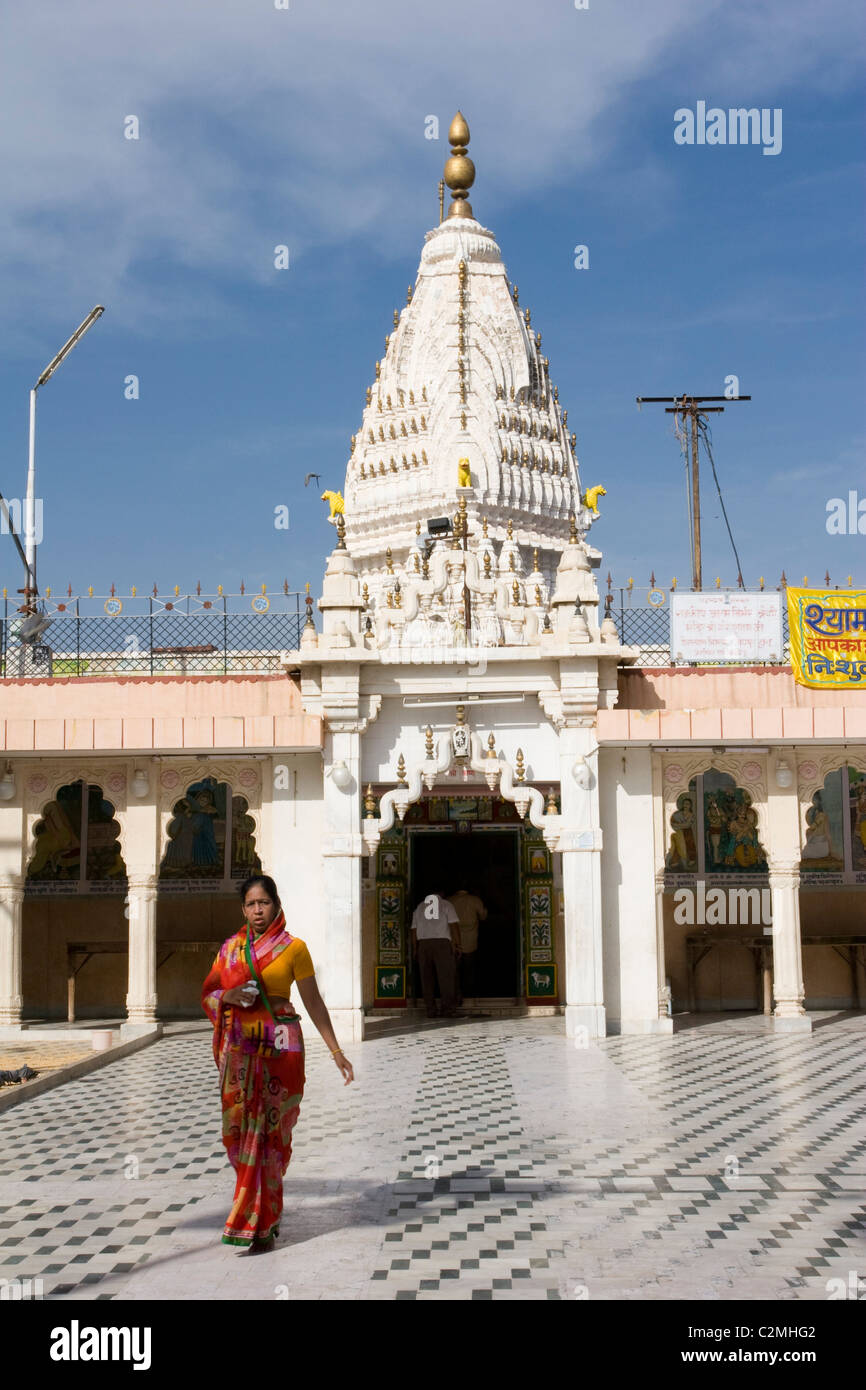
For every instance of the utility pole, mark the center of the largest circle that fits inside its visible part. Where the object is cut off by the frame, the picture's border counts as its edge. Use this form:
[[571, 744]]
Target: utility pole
[[693, 408]]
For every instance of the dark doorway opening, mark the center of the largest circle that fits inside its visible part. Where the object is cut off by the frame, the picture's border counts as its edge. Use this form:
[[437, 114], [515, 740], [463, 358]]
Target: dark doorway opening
[[486, 863]]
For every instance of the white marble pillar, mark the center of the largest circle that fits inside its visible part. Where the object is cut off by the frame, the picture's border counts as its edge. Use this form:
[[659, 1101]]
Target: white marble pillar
[[580, 845], [141, 851], [790, 1013], [141, 996], [341, 982], [11, 917], [783, 854]]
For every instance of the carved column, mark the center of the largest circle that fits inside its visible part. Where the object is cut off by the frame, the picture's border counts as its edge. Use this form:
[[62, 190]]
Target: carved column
[[341, 977], [141, 998], [790, 1013], [11, 916], [580, 845], [783, 854]]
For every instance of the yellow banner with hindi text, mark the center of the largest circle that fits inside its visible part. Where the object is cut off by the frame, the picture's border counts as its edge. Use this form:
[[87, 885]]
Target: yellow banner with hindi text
[[827, 631]]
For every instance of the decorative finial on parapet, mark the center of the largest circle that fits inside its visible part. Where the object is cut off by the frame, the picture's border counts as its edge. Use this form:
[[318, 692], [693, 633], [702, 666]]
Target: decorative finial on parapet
[[369, 802], [519, 770], [487, 564], [461, 714], [572, 532], [551, 809], [428, 743], [308, 621], [459, 172], [401, 772], [378, 370], [510, 531], [491, 745], [389, 561], [341, 531], [484, 527]]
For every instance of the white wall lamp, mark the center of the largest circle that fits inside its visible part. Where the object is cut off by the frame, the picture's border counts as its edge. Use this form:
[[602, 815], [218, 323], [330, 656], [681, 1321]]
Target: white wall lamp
[[7, 784], [582, 773], [140, 782], [784, 775], [340, 775]]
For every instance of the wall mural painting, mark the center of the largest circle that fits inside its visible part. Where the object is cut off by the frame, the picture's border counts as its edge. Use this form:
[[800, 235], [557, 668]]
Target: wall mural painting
[[834, 841], [68, 822], [198, 847], [857, 818], [714, 830]]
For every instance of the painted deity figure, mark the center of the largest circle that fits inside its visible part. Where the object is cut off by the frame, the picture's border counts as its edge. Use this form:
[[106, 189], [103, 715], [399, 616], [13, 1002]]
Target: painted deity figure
[[715, 825], [818, 843], [683, 851]]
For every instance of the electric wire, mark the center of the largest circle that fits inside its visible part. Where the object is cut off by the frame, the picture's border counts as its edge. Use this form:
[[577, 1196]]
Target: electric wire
[[704, 431]]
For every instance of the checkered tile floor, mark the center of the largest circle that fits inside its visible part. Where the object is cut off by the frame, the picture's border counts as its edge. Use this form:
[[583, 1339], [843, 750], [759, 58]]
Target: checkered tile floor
[[479, 1160]]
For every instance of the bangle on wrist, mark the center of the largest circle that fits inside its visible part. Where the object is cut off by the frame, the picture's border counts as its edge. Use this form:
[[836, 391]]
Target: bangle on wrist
[[336, 1052]]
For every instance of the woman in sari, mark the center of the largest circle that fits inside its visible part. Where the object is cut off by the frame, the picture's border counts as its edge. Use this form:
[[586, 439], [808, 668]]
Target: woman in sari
[[259, 1050]]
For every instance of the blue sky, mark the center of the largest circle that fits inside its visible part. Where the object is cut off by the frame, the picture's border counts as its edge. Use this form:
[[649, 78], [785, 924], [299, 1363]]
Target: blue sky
[[306, 127]]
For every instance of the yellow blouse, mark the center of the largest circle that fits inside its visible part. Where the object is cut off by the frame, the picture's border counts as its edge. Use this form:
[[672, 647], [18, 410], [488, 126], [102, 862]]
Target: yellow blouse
[[292, 964]]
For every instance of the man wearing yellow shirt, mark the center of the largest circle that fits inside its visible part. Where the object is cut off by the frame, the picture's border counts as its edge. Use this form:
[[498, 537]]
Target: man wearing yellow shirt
[[470, 911]]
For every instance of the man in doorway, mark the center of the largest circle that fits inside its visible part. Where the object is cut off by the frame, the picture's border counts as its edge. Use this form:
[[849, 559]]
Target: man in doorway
[[436, 944], [470, 911]]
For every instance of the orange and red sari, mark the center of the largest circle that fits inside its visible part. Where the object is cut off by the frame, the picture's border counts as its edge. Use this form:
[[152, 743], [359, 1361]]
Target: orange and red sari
[[260, 1056]]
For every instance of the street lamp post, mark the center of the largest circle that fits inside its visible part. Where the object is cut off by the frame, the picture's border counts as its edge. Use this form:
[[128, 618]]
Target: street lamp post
[[30, 502]]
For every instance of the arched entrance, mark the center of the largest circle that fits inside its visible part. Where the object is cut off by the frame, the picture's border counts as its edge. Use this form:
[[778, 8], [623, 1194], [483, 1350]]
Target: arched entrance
[[74, 925]]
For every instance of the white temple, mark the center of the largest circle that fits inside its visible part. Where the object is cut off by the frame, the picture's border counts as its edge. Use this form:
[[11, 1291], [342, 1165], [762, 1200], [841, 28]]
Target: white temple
[[463, 716]]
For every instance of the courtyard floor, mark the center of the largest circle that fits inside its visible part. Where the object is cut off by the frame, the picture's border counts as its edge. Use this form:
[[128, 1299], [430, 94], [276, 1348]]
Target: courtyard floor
[[470, 1160]]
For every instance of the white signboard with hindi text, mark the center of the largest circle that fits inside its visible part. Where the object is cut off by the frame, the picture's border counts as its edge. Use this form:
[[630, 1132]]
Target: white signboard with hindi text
[[738, 627]]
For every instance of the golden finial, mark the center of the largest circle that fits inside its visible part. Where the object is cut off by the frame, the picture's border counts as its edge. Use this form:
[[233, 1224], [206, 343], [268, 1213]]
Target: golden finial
[[515, 592], [134, 590], [365, 594], [487, 564], [491, 746], [527, 317], [390, 599], [220, 590], [409, 295], [572, 530], [463, 419], [417, 563], [396, 318], [511, 564], [417, 528], [441, 200], [674, 582], [761, 583], [461, 271], [378, 370], [369, 802], [428, 742], [398, 596], [484, 527], [538, 340], [389, 561], [535, 560], [459, 171], [461, 714], [462, 511], [519, 770], [537, 596], [425, 568], [387, 341], [515, 295], [369, 395], [510, 528], [388, 402], [90, 591], [551, 808], [341, 532], [573, 442]]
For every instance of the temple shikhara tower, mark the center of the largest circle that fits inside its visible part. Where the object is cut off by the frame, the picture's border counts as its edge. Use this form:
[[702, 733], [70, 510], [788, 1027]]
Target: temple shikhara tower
[[463, 658]]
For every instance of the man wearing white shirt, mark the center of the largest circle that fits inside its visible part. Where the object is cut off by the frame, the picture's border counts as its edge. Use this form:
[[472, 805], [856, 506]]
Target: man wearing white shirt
[[436, 943]]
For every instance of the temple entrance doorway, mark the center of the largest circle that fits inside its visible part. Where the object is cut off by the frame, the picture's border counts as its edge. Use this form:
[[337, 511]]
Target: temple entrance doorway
[[486, 864]]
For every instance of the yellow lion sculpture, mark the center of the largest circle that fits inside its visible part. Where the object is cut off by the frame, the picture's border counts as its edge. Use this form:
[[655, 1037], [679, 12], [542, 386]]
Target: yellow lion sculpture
[[464, 474], [591, 496], [335, 501]]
